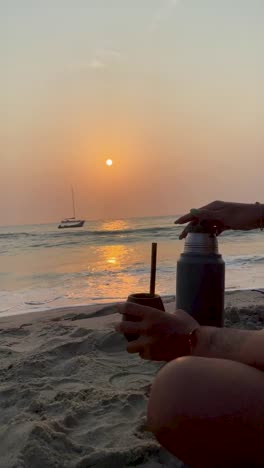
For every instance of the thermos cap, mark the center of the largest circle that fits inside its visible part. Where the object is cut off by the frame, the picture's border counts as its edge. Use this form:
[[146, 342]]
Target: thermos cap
[[201, 243]]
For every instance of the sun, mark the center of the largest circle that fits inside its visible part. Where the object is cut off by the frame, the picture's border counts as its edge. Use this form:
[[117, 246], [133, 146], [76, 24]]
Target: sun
[[109, 162]]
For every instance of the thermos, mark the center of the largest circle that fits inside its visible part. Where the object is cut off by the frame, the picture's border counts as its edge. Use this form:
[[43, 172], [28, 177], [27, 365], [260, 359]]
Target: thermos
[[200, 285]]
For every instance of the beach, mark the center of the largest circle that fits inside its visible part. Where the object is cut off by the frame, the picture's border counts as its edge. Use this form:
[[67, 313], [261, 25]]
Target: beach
[[72, 397], [123, 122]]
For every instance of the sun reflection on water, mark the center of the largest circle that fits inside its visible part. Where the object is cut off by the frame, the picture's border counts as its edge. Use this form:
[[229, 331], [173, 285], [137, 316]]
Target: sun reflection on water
[[114, 256], [111, 260], [114, 225], [118, 262]]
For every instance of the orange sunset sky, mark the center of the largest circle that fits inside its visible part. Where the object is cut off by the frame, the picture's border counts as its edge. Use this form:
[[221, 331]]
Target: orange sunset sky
[[171, 91]]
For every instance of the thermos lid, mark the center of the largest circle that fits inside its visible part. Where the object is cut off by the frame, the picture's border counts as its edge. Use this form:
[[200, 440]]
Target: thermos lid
[[201, 239]]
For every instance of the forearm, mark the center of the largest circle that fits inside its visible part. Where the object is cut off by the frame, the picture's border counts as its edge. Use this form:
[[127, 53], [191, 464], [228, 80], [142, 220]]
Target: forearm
[[226, 343], [254, 212]]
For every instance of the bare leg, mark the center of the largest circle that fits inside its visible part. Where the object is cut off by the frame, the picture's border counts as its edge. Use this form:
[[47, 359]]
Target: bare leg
[[209, 412]]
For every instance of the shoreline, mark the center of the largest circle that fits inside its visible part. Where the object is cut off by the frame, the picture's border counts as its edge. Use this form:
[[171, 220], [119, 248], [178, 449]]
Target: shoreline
[[166, 298], [238, 298]]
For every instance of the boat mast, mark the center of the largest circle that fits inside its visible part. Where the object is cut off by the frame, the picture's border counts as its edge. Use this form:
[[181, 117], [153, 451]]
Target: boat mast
[[73, 205]]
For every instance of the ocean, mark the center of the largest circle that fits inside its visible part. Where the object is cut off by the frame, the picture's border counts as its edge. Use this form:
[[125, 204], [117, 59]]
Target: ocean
[[44, 268]]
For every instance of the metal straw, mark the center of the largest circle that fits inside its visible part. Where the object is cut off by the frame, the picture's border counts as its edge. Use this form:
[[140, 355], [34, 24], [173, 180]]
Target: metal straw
[[153, 268]]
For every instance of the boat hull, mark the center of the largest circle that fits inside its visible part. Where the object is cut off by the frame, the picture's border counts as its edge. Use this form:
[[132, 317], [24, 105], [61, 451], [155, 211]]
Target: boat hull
[[73, 225]]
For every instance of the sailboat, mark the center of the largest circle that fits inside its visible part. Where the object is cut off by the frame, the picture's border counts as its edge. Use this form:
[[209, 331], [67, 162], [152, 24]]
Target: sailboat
[[71, 222]]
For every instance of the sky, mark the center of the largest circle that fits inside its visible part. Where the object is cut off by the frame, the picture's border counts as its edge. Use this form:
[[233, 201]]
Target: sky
[[171, 90]]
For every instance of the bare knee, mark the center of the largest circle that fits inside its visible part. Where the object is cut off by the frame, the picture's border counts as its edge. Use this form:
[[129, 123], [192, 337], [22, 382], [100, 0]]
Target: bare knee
[[171, 394], [192, 387], [196, 400], [171, 405]]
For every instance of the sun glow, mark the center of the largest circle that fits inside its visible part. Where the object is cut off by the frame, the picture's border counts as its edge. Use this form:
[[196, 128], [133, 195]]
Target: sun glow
[[109, 162]]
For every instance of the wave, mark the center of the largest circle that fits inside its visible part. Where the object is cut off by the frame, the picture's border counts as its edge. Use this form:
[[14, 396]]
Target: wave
[[47, 301], [155, 230], [50, 239], [95, 232], [244, 260], [58, 239], [16, 235], [231, 233]]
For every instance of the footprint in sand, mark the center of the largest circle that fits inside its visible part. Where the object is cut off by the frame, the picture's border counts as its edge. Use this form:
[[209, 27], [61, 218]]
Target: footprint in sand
[[7, 332], [111, 342], [131, 381]]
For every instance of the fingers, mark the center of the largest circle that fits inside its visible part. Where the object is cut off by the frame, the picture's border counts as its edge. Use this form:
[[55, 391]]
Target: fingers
[[197, 214], [192, 216], [184, 233], [137, 310], [204, 210], [138, 346], [135, 346], [130, 327], [185, 219], [210, 216]]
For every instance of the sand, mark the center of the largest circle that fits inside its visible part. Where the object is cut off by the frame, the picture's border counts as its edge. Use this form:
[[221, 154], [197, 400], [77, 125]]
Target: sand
[[71, 396]]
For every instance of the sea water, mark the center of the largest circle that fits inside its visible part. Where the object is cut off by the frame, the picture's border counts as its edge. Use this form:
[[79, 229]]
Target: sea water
[[43, 267]]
